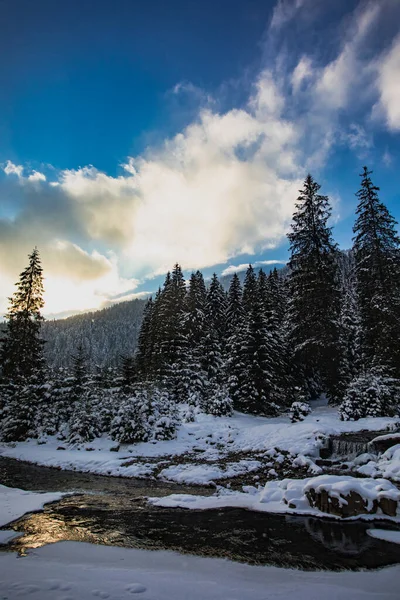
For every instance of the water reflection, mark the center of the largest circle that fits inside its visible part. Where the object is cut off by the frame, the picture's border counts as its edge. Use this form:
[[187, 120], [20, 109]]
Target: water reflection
[[255, 538]]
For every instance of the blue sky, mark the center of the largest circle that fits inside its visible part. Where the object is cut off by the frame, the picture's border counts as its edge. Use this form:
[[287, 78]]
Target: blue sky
[[136, 134]]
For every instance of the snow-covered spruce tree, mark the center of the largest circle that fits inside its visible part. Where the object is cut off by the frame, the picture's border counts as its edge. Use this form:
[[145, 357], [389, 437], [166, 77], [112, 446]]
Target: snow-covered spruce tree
[[217, 401], [377, 258], [84, 422], [21, 354], [169, 341], [84, 425], [250, 289], [57, 406], [79, 372], [234, 308], [314, 294], [252, 359], [128, 371], [349, 325], [270, 305], [374, 393], [143, 355], [19, 419], [216, 307], [192, 375], [235, 330], [258, 393], [164, 418], [156, 332], [131, 423]]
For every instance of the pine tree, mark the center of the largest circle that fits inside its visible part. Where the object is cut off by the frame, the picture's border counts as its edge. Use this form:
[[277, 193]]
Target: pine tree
[[128, 370], [234, 309], [377, 257], [351, 361], [144, 351], [79, 370], [168, 334], [192, 362], [216, 307], [21, 355], [249, 289], [314, 293], [235, 331]]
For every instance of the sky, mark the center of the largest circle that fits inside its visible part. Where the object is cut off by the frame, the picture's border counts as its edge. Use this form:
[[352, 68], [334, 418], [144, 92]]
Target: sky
[[135, 134]]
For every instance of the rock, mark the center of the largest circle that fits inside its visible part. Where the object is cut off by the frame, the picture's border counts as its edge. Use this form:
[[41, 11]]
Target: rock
[[346, 496], [114, 449], [388, 506], [60, 448], [383, 442], [349, 505]]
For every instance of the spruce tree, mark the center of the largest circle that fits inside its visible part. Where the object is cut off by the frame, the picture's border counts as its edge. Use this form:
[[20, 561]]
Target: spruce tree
[[235, 330], [144, 351], [249, 289], [216, 307], [21, 355], [234, 309], [377, 258], [314, 294]]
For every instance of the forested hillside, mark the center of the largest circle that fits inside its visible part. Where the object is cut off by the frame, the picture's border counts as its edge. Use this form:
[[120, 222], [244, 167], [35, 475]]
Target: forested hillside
[[105, 335]]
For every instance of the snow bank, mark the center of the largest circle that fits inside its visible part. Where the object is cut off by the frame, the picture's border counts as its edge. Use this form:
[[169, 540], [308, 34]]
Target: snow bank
[[387, 465], [384, 534], [14, 503], [287, 495], [204, 473], [210, 438], [80, 571]]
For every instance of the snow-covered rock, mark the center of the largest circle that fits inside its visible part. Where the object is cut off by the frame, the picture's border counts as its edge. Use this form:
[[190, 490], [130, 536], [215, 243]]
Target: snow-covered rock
[[350, 496]]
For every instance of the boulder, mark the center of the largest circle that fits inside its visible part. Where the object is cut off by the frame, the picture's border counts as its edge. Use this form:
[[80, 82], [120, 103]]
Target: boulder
[[383, 442], [350, 505], [346, 496]]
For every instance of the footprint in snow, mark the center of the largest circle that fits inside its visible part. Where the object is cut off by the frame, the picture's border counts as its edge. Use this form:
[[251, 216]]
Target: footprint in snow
[[100, 594], [135, 588]]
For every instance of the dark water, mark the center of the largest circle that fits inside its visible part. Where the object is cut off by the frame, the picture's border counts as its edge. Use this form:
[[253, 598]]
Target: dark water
[[115, 513]]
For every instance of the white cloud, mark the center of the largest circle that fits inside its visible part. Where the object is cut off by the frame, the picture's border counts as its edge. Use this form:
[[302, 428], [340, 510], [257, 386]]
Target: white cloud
[[285, 11], [358, 138], [389, 86], [244, 266], [387, 158], [343, 76], [303, 72], [36, 176], [12, 169]]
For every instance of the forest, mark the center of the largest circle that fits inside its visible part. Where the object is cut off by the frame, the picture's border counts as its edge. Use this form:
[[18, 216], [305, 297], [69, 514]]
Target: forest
[[328, 325]]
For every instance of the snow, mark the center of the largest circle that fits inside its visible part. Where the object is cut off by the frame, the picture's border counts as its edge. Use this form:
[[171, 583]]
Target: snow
[[287, 495], [80, 571], [384, 534], [384, 438], [201, 474], [14, 503], [387, 465], [8, 535], [209, 437]]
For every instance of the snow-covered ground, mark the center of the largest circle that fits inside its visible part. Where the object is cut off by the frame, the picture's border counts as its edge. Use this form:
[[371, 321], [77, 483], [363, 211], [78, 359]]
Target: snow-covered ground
[[387, 465], [78, 571], [14, 503], [206, 440], [384, 534], [288, 495]]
